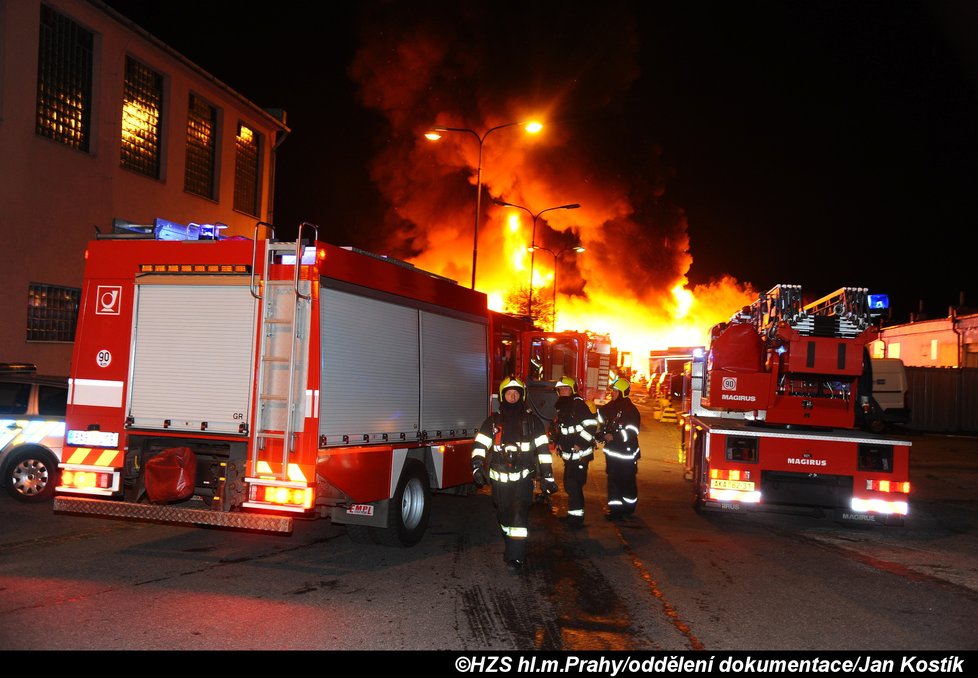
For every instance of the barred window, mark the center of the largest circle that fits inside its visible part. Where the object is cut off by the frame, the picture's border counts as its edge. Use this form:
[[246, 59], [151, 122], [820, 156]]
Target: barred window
[[246, 170], [64, 80], [201, 148], [52, 312], [142, 107]]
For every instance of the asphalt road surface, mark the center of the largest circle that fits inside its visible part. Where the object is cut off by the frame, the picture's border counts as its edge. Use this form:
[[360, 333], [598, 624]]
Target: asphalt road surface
[[669, 579]]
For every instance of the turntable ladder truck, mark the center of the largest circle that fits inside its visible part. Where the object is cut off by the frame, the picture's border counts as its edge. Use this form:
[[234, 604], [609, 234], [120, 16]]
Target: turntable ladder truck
[[772, 414]]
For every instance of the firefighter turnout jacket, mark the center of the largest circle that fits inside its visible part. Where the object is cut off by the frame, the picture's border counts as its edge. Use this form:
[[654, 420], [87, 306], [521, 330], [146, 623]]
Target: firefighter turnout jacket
[[621, 419], [513, 455], [573, 430]]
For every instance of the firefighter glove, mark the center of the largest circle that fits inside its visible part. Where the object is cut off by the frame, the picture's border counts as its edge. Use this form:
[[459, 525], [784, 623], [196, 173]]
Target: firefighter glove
[[549, 486], [479, 477]]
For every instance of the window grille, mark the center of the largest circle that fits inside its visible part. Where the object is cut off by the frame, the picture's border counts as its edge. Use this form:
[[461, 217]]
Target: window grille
[[142, 107], [246, 170], [52, 312], [64, 80], [201, 148]]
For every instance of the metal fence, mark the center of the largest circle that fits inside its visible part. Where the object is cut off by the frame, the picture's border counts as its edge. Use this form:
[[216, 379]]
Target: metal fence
[[943, 399]]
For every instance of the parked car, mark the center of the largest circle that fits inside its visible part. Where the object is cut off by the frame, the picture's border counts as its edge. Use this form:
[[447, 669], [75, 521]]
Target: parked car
[[32, 430]]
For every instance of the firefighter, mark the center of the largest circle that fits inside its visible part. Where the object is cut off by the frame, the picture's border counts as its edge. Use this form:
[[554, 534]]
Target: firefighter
[[620, 420], [514, 446], [572, 431]]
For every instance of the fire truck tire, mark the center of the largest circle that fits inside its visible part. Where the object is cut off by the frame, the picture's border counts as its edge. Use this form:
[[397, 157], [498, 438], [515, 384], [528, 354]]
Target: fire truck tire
[[31, 475], [410, 507], [407, 515], [698, 500]]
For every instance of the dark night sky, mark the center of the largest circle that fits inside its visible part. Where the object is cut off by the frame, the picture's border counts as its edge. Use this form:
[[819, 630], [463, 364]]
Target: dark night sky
[[819, 143]]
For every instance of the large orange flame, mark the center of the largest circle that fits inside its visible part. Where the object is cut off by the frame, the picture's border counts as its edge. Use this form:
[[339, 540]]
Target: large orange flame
[[443, 70], [679, 316]]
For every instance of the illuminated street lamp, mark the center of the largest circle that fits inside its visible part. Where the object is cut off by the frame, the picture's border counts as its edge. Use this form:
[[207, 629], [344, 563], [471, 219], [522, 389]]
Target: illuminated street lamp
[[533, 239], [435, 134], [556, 256]]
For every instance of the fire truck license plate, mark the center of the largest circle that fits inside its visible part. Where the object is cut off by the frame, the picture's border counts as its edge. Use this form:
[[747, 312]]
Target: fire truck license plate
[[361, 510], [742, 485]]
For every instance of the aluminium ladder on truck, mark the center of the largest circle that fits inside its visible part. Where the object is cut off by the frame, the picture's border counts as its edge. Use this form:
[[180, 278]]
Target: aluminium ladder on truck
[[283, 348]]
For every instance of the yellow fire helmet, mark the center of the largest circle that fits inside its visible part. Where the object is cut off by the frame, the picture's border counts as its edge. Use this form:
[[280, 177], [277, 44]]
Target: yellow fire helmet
[[568, 382], [622, 385], [512, 382]]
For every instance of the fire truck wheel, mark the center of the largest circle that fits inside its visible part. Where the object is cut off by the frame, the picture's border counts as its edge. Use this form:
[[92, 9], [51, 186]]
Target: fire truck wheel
[[407, 516], [698, 498], [698, 495], [32, 475], [697, 502]]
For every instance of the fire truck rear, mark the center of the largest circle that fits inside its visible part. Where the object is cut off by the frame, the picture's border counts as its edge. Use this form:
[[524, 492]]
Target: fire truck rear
[[548, 356], [247, 383], [772, 413]]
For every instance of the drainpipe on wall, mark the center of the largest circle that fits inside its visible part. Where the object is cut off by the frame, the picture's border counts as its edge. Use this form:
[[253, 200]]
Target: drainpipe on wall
[[953, 314], [280, 138]]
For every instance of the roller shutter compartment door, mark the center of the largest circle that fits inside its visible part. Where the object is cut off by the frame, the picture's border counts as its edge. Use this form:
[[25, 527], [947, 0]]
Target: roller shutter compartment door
[[193, 357]]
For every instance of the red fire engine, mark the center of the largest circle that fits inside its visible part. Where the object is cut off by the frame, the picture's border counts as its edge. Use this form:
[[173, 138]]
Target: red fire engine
[[245, 383], [548, 356], [541, 358], [772, 413]]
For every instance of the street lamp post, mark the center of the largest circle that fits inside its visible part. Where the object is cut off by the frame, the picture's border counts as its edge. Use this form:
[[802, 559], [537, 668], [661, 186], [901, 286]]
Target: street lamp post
[[533, 240], [434, 135], [556, 256]]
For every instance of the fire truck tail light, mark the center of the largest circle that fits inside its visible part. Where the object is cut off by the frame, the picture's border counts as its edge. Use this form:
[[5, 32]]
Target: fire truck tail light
[[888, 486], [271, 494], [89, 481], [729, 474], [285, 496], [85, 479]]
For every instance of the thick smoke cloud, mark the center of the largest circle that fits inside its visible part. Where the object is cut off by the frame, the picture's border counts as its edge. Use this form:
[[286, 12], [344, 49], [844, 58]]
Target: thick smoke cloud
[[476, 66]]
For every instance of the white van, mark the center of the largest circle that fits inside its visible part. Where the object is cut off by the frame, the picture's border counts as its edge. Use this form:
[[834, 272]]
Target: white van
[[887, 403]]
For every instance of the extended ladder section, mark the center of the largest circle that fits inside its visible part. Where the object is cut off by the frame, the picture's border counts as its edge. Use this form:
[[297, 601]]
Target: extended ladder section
[[782, 303], [283, 349], [845, 301], [843, 314]]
